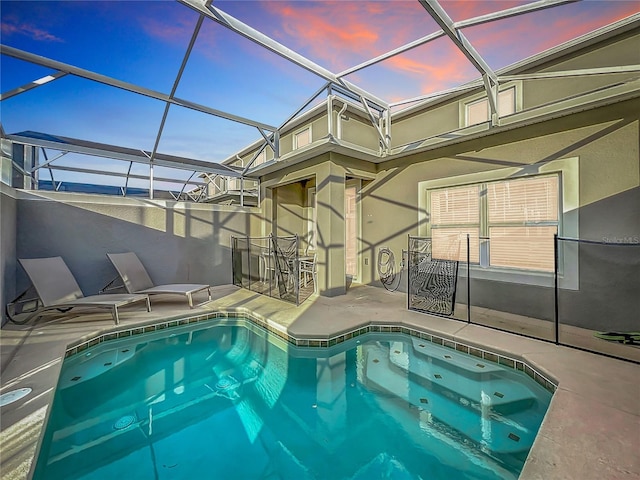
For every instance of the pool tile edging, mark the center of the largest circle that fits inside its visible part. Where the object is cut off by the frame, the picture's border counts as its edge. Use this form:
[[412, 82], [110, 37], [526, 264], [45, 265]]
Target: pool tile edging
[[281, 331]]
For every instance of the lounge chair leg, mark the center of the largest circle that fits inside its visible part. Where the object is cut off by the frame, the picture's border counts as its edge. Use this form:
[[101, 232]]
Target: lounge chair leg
[[209, 292], [148, 304], [116, 318], [190, 300]]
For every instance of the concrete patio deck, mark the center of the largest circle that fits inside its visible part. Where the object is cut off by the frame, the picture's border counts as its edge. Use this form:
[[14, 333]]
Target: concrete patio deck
[[591, 430]]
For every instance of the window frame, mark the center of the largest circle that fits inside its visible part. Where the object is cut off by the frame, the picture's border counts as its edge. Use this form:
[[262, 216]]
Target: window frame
[[568, 226], [482, 96], [296, 133]]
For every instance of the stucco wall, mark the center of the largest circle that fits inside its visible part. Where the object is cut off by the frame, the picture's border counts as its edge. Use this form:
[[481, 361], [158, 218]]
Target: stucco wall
[[616, 53], [8, 210], [177, 242], [290, 219], [606, 142]]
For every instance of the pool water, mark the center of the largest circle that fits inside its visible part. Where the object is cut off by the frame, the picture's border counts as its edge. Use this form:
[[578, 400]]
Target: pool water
[[229, 401]]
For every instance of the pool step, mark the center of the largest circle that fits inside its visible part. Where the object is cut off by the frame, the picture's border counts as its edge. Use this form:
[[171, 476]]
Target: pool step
[[476, 422], [489, 383], [467, 364]]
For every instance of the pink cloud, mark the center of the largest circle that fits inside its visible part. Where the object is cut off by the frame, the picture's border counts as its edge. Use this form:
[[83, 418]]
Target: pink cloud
[[341, 34], [13, 27]]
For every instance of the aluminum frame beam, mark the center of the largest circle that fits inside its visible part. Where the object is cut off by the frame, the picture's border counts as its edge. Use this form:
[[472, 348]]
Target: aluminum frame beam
[[126, 154], [462, 88], [31, 85], [167, 105], [276, 134], [511, 12], [571, 73], [62, 168], [443, 19], [130, 87], [226, 20], [392, 53]]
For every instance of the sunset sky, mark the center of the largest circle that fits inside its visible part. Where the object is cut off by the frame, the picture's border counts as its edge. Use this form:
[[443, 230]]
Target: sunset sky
[[143, 42]]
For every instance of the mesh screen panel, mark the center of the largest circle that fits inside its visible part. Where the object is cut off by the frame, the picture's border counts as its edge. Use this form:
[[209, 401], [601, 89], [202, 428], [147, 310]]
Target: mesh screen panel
[[600, 309], [432, 281], [271, 266]]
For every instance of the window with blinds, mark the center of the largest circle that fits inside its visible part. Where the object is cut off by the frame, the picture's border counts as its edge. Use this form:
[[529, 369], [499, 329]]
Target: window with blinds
[[302, 138], [522, 219], [478, 111], [518, 218], [455, 212]]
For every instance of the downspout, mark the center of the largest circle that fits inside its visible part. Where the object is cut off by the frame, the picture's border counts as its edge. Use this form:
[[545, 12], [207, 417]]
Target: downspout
[[339, 122], [330, 113]]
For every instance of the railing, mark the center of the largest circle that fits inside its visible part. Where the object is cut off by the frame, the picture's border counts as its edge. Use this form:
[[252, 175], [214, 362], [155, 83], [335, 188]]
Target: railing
[[589, 301], [271, 266]]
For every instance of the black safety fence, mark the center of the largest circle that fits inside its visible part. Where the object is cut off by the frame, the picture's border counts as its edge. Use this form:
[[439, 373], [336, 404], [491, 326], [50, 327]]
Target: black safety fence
[[598, 296], [587, 296], [433, 276], [272, 266]]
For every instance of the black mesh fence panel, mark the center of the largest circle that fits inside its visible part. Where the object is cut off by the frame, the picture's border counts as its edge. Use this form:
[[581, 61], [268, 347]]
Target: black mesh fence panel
[[285, 268], [599, 297], [271, 266], [590, 301], [432, 281]]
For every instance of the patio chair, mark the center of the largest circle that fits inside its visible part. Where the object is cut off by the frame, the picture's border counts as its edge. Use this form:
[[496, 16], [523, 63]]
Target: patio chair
[[135, 279], [306, 268], [56, 288]]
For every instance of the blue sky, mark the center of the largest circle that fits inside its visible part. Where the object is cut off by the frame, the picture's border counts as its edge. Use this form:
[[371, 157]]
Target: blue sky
[[143, 42]]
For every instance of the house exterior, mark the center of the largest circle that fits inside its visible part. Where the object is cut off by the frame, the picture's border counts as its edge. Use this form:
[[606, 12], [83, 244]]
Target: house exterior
[[567, 127], [559, 135]]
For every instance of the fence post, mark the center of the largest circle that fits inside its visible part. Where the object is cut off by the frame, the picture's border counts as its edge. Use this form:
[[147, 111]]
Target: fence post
[[233, 260], [269, 266], [555, 284], [296, 272], [468, 282]]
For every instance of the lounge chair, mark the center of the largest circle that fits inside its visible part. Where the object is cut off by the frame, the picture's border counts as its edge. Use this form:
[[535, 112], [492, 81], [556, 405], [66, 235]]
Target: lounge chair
[[136, 279], [56, 288]]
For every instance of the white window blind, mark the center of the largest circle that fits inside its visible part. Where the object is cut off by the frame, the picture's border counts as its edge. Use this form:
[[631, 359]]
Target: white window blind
[[525, 200], [478, 111], [519, 219], [302, 138], [507, 102], [450, 243], [522, 247], [261, 158], [455, 212], [523, 217]]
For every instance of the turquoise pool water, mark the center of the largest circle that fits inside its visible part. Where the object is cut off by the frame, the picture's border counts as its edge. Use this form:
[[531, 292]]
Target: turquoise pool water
[[229, 401]]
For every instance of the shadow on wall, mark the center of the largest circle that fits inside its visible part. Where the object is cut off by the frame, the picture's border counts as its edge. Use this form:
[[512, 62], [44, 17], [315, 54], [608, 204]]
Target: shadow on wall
[[175, 245]]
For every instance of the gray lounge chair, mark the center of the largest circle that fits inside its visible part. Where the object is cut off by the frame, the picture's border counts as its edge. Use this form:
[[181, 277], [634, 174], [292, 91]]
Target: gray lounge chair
[[136, 279], [57, 288]]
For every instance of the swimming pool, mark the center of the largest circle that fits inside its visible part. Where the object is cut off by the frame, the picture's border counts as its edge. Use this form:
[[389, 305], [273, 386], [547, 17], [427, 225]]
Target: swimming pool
[[228, 400]]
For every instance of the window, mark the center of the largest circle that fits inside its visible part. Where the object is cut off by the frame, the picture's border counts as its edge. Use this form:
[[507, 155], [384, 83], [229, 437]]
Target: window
[[514, 220], [478, 111], [302, 138], [261, 158], [454, 213], [522, 219]]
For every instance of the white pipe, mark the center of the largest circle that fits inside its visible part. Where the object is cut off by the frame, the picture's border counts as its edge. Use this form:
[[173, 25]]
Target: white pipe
[[339, 123], [330, 113]]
